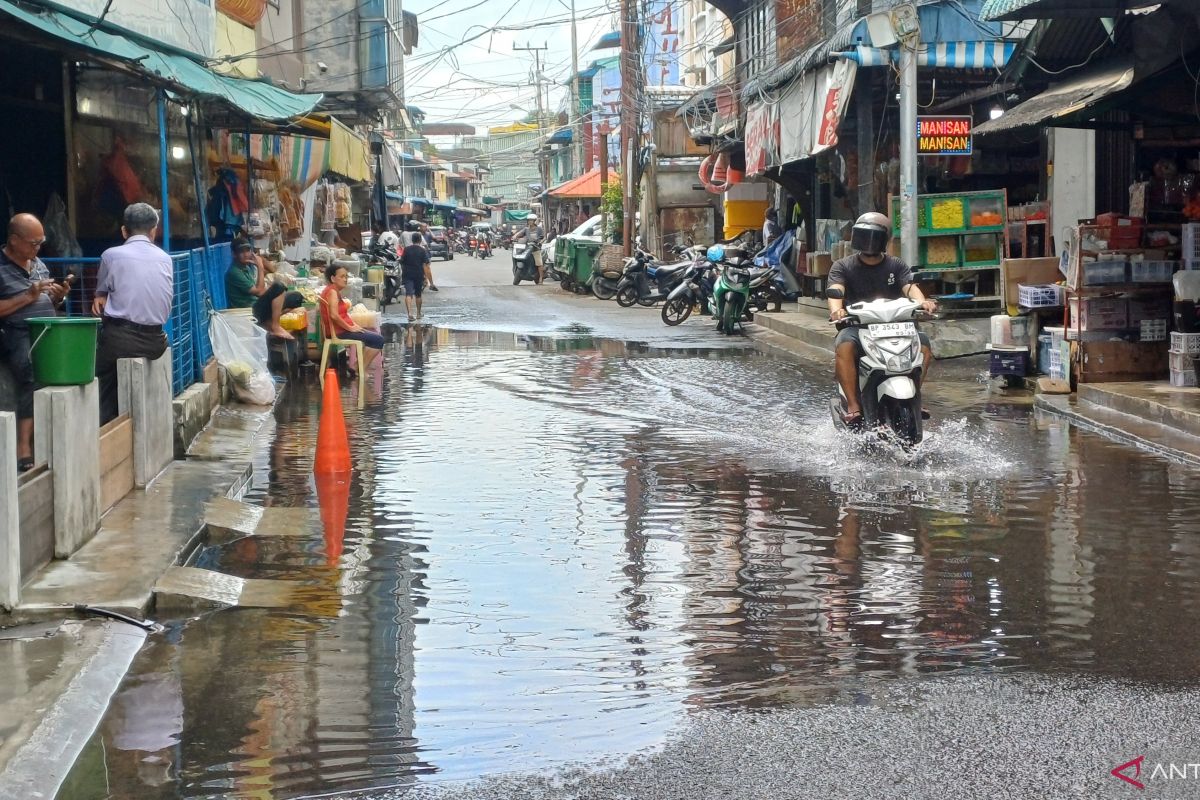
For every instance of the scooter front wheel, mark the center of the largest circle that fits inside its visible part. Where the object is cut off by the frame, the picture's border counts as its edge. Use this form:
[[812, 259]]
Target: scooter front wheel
[[627, 296], [676, 310], [602, 290]]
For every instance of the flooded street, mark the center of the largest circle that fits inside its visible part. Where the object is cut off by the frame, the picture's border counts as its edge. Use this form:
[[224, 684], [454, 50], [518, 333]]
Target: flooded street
[[562, 548]]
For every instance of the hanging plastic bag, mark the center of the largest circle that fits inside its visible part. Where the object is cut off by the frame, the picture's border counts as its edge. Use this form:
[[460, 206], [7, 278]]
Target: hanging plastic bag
[[240, 348]]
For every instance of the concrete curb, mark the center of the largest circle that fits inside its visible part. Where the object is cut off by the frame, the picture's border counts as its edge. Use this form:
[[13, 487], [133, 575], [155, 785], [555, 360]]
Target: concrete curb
[[1069, 410], [39, 767]]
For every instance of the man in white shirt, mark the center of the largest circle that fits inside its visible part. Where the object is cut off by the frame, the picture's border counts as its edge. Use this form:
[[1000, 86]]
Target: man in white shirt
[[133, 298]]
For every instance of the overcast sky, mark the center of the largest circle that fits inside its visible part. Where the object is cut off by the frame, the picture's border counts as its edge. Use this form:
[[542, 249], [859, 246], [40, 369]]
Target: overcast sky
[[477, 81]]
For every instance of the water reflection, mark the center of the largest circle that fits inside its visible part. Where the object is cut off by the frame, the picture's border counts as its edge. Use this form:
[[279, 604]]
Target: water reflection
[[552, 547]]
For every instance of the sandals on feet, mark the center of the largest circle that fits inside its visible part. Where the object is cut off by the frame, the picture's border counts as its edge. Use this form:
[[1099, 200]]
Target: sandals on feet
[[852, 419]]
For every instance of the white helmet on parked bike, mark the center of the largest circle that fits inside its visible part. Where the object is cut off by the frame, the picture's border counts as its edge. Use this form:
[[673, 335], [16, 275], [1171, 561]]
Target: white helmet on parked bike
[[531, 218], [388, 239]]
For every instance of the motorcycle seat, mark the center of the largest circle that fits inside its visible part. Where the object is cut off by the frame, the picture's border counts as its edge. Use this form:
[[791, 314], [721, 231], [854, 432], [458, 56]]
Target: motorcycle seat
[[667, 269]]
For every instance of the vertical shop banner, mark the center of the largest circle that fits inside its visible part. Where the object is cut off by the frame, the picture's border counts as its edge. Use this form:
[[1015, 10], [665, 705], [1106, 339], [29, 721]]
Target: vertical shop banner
[[762, 138], [662, 45], [797, 118], [838, 85]]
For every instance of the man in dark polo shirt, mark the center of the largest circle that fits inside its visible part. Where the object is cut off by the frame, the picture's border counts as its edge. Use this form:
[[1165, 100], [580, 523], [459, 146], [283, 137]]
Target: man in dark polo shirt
[[26, 291], [133, 298], [869, 274]]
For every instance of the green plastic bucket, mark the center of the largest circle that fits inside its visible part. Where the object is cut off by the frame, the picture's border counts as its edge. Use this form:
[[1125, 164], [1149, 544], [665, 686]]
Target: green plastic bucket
[[63, 349]]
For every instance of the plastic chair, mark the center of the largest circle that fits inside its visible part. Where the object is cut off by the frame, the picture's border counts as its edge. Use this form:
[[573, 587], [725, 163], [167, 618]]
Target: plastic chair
[[329, 339]]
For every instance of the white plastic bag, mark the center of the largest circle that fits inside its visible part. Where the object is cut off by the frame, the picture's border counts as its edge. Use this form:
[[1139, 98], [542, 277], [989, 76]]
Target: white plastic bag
[[240, 348]]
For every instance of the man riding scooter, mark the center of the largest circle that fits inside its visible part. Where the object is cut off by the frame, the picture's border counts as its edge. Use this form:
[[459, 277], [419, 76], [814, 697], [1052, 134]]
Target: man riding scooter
[[869, 274], [532, 234]]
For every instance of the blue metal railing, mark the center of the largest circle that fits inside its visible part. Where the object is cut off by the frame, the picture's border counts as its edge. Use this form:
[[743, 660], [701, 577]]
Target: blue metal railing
[[199, 289]]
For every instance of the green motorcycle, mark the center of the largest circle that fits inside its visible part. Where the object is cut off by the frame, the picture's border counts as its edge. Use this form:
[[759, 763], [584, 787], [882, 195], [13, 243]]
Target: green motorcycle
[[731, 295]]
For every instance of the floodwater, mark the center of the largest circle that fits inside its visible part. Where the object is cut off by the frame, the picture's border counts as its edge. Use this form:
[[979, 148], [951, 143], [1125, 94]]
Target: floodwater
[[557, 548]]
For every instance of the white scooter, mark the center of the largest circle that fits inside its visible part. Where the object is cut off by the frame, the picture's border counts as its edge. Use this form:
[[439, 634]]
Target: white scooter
[[889, 368]]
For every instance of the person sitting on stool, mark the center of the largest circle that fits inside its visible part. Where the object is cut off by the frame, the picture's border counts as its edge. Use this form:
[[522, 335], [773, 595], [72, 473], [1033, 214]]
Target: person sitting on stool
[[133, 300]]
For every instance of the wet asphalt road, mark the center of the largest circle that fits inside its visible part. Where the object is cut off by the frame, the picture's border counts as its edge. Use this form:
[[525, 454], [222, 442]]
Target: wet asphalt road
[[993, 735], [585, 555], [987, 736]]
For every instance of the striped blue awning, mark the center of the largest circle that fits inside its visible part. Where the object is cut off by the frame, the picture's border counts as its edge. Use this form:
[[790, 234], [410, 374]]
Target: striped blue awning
[[960, 55]]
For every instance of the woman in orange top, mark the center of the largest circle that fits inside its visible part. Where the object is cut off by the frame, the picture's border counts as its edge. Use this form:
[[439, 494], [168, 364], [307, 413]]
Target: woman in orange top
[[338, 311]]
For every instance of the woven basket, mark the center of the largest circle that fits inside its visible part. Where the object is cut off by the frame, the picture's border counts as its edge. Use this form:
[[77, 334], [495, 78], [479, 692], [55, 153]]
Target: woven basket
[[611, 258]]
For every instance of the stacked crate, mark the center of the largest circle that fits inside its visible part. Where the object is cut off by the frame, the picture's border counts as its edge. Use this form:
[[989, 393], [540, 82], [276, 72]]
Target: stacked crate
[[1185, 349]]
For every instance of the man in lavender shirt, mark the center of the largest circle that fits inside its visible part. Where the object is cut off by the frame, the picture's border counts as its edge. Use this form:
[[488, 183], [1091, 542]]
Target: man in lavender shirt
[[133, 299]]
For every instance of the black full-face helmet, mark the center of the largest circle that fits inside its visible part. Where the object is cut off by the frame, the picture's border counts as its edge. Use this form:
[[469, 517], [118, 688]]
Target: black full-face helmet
[[871, 234]]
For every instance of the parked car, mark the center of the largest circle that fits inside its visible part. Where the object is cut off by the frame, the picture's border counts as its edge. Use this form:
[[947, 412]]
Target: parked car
[[439, 244], [588, 231]]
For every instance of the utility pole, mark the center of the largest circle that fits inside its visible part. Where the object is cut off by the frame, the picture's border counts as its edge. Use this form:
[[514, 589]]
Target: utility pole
[[908, 31], [603, 182], [629, 72], [575, 117], [543, 165]]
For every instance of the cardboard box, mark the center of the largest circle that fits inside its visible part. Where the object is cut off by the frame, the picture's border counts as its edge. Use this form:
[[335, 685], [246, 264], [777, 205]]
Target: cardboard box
[[1099, 314], [1014, 271], [821, 263], [1122, 361]]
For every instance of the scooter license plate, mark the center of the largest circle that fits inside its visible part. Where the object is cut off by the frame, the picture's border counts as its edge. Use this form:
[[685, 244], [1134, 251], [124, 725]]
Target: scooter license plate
[[890, 329]]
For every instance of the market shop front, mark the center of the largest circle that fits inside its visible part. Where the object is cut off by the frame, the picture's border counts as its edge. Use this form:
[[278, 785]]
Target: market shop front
[[1119, 307]]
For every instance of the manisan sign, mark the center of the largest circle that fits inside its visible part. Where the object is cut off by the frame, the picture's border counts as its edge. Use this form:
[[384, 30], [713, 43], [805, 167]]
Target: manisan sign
[[944, 136]]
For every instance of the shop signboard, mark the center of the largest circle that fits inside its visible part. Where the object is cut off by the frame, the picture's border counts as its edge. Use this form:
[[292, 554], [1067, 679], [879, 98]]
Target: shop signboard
[[839, 83], [941, 135]]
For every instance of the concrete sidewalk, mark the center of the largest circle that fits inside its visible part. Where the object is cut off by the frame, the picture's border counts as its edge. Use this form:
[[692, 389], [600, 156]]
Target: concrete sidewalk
[[1149, 414], [63, 671], [808, 322]]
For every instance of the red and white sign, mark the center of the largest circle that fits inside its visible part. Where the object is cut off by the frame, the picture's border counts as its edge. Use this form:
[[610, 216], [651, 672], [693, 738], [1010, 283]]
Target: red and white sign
[[837, 96], [762, 138]]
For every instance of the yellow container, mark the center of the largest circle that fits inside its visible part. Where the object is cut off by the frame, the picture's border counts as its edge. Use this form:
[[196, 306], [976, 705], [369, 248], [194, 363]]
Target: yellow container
[[375, 275], [744, 215]]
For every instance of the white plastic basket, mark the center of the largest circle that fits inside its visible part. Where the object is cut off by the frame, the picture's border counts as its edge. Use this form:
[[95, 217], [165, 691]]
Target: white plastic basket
[[1039, 295], [1185, 342]]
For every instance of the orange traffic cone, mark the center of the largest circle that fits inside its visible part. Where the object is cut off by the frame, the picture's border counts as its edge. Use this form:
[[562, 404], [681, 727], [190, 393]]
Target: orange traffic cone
[[333, 495], [333, 445]]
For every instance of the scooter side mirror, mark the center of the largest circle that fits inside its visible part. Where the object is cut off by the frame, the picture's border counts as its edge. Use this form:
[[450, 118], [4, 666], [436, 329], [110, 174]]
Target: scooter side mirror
[[836, 294]]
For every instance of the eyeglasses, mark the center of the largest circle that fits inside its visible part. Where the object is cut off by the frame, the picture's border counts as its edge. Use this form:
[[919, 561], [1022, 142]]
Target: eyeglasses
[[35, 242]]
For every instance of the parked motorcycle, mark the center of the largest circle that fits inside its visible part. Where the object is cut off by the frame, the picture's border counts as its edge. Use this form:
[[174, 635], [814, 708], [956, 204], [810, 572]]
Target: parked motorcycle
[[783, 285], [694, 289], [383, 254], [889, 369], [605, 280], [647, 282], [731, 294]]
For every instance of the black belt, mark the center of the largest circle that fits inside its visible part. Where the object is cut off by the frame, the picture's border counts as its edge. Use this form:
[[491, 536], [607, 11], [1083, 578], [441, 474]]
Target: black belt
[[124, 323]]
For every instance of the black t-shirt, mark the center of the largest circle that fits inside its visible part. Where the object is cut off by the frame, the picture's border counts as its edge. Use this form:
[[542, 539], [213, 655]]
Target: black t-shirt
[[413, 261], [866, 282]]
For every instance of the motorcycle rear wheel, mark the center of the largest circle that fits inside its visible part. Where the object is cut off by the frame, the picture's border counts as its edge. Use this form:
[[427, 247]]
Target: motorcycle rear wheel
[[676, 310], [627, 297]]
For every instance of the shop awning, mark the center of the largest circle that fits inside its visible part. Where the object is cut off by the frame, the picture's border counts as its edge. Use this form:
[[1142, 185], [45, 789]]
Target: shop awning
[[449, 205], [479, 212], [560, 136], [1065, 99], [254, 98], [955, 55], [394, 196], [349, 153], [586, 185], [1011, 10], [420, 201]]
